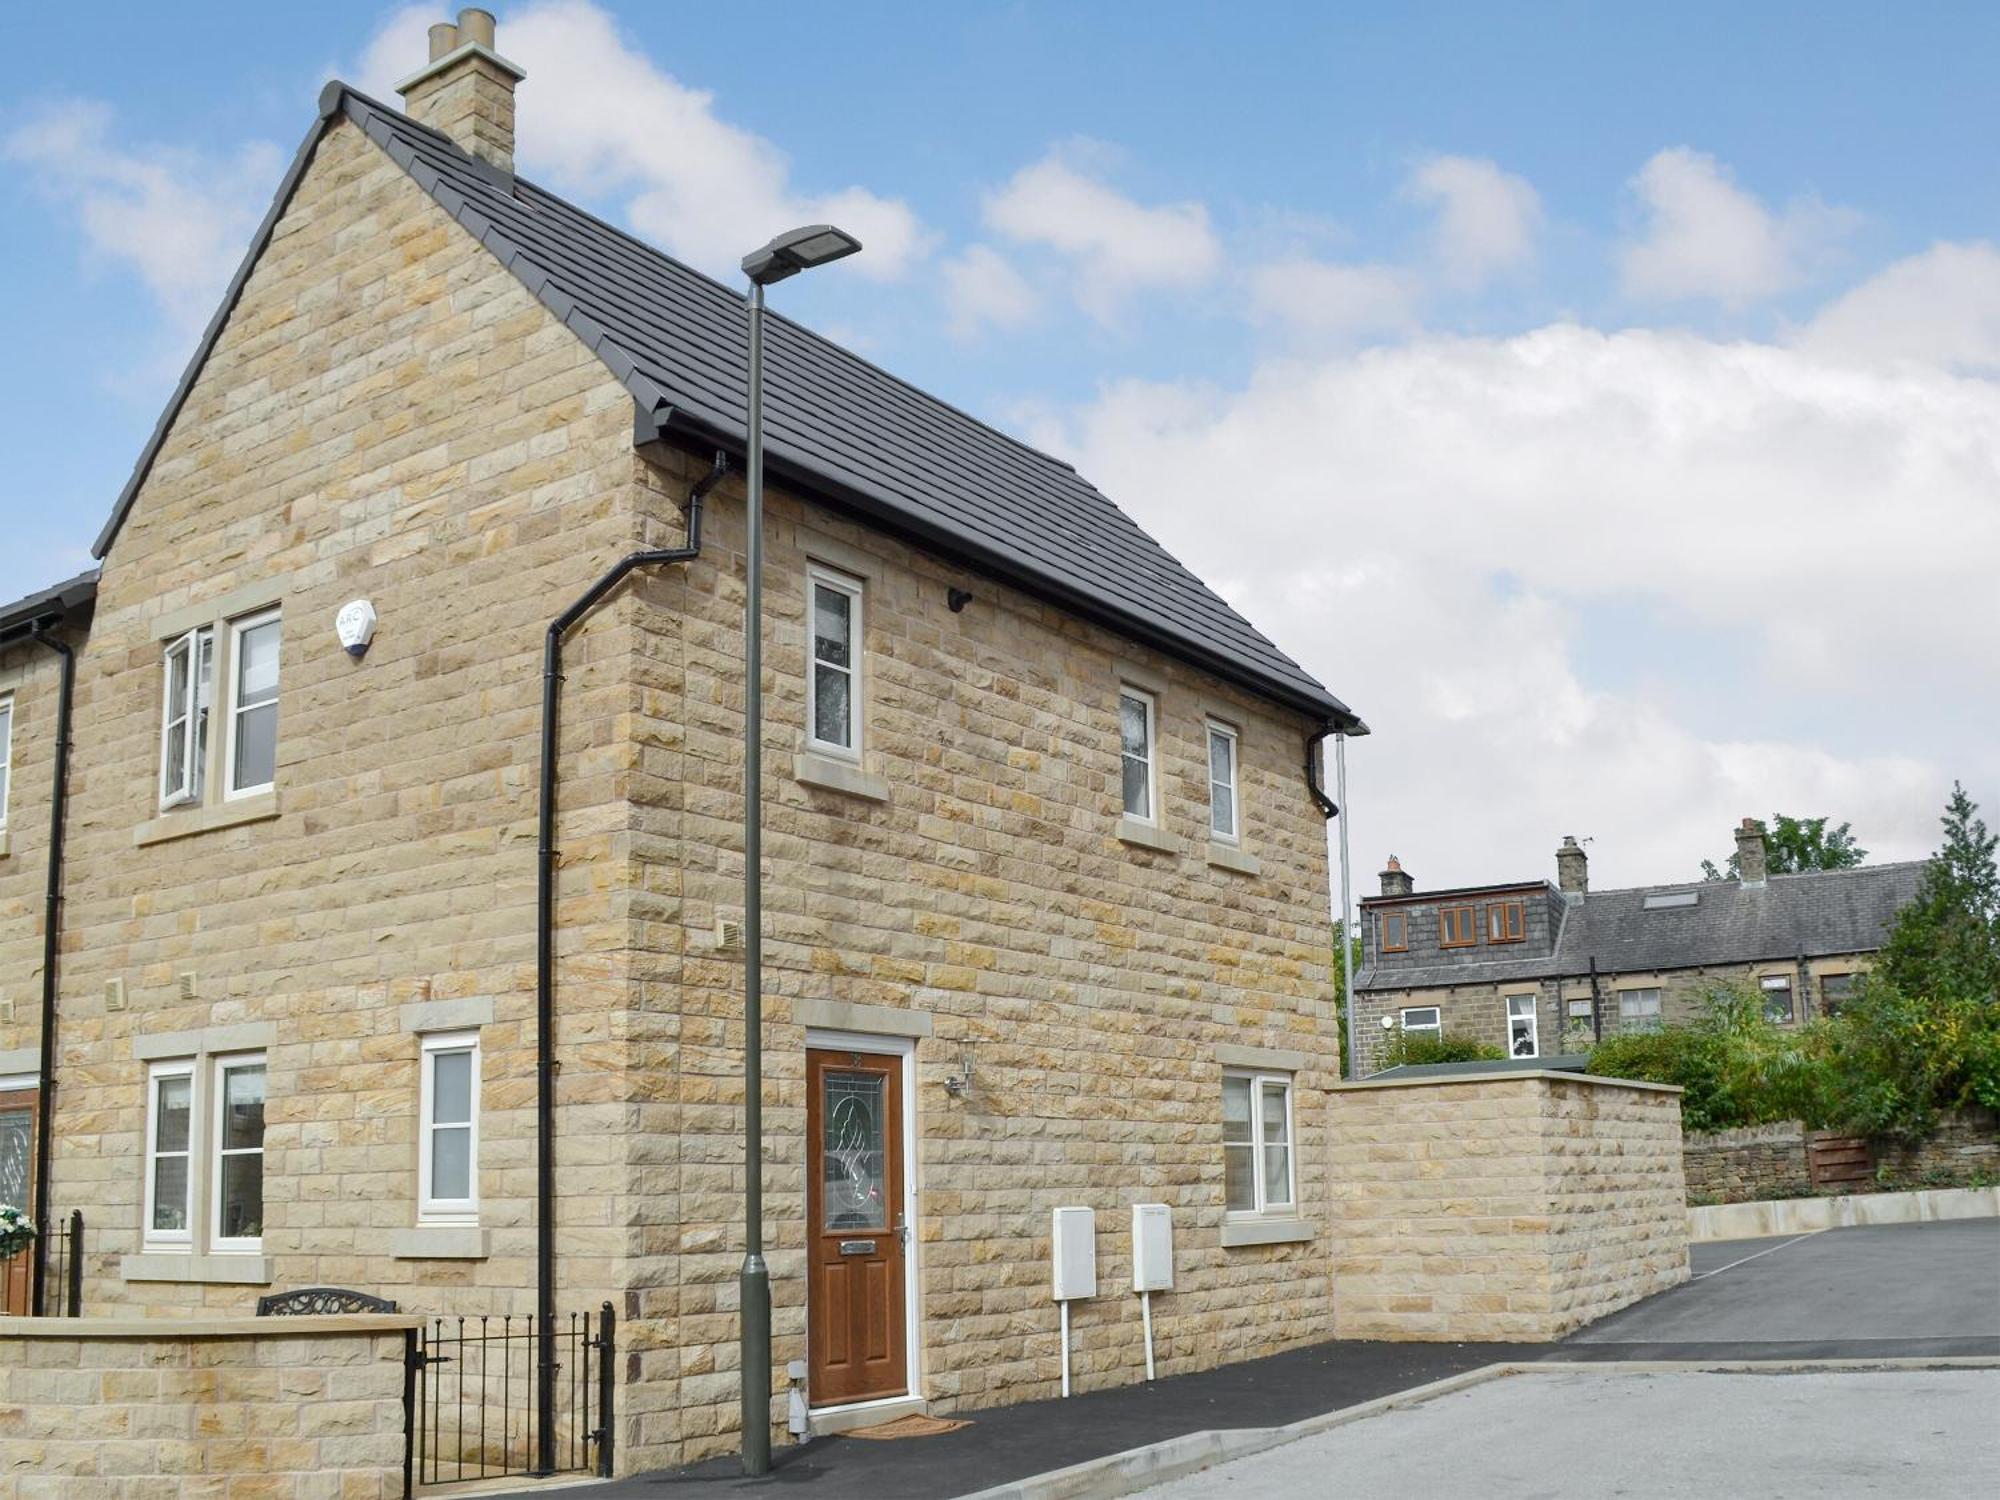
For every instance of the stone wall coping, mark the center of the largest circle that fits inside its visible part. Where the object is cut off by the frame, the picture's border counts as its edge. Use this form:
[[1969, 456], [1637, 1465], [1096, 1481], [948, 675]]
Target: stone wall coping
[[1523, 1076], [167, 1329]]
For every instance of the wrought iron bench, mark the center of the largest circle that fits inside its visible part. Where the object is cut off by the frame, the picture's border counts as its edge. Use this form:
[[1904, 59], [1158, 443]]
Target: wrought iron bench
[[318, 1301]]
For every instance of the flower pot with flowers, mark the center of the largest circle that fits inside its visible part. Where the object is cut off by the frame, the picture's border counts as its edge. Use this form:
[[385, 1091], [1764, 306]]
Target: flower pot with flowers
[[17, 1231]]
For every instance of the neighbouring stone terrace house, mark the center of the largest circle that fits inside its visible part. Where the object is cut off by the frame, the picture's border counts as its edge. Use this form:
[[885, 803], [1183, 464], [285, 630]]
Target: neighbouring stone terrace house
[[1047, 897], [1541, 969]]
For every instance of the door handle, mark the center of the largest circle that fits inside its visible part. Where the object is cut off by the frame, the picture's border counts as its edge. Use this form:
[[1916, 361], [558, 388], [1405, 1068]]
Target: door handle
[[902, 1232]]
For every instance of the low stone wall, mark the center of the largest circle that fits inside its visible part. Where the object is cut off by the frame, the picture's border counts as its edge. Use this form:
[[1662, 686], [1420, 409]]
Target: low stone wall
[[133, 1409], [1967, 1142], [1503, 1206], [1741, 1166]]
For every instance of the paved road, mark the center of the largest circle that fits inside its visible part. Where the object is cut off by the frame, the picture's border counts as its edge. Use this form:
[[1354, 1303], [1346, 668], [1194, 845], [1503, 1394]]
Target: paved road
[[1680, 1436]]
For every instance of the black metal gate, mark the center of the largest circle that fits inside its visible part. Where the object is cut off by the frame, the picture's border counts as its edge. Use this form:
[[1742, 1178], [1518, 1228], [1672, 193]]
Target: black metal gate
[[474, 1394]]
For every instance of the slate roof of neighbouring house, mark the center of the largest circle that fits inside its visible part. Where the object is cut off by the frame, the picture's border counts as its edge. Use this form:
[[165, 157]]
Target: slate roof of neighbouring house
[[1817, 913], [836, 425]]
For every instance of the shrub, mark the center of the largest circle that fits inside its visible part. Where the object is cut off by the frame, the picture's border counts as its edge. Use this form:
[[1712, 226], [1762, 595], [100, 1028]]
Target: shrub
[[1679, 1055], [1415, 1047], [1896, 1061]]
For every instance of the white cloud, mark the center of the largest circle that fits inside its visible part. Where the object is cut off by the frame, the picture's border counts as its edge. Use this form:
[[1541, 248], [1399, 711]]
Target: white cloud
[[1941, 307], [1786, 517], [1487, 219], [1117, 246], [982, 289], [180, 220], [596, 117], [1706, 238], [1325, 301]]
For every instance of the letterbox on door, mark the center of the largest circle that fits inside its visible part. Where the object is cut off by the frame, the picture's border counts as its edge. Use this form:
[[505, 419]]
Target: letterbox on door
[[1075, 1253]]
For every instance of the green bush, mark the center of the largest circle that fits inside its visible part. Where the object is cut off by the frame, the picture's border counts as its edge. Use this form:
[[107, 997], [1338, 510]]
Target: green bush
[[1414, 1047], [1897, 1061], [1679, 1055]]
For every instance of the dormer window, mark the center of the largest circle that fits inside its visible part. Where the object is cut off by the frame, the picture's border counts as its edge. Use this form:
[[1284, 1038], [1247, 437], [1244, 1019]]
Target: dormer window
[[1458, 926], [1393, 930], [1506, 922]]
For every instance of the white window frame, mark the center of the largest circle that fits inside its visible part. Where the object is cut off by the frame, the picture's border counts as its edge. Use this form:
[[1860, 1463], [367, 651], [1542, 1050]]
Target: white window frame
[[1234, 833], [171, 1239], [430, 1209], [6, 755], [1435, 1024], [212, 1151], [818, 577], [1288, 1206], [1528, 1015], [1651, 1020], [194, 702], [1767, 985], [233, 710], [1152, 758]]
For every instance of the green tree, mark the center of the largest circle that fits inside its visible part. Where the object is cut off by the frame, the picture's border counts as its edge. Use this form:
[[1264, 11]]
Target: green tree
[[1945, 945], [1793, 845], [1339, 989]]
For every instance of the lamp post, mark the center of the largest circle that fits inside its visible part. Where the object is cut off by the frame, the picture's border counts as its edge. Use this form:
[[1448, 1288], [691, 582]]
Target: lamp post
[[787, 255]]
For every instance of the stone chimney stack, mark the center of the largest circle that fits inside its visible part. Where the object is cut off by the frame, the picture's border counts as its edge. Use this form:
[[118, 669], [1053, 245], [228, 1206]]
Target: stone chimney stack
[[466, 90], [1394, 881], [1752, 864], [1572, 867]]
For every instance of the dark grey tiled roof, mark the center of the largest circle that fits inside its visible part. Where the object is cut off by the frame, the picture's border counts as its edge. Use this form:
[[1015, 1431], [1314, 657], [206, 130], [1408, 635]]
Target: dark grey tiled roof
[[59, 599], [1566, 1062], [835, 425], [1817, 913]]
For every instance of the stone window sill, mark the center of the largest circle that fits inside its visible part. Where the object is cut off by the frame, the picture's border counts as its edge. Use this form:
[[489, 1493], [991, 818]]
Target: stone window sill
[[831, 775], [1232, 857], [442, 1242], [1236, 1232], [181, 823], [167, 1265], [1145, 835], [6, 843]]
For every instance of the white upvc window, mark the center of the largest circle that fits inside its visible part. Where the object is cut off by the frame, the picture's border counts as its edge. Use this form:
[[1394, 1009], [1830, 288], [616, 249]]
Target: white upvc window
[[170, 1155], [833, 668], [253, 704], [448, 1131], [1777, 990], [1522, 1040], [236, 1156], [1423, 1018], [188, 667], [6, 754], [1138, 723], [1257, 1172], [1639, 1010], [1224, 817]]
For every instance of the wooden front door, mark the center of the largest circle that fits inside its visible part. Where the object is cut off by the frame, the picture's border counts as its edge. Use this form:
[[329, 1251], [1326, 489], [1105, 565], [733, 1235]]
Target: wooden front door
[[17, 1180], [855, 1321]]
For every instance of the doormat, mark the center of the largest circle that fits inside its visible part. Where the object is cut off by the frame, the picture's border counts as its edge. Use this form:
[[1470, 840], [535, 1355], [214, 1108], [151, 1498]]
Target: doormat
[[916, 1424]]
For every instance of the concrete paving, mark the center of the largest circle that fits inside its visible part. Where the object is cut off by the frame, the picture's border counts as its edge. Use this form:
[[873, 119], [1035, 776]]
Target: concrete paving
[[1695, 1435]]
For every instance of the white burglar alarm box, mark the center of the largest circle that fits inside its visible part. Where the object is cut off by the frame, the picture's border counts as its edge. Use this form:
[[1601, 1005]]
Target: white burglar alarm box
[[1075, 1253], [1152, 1248]]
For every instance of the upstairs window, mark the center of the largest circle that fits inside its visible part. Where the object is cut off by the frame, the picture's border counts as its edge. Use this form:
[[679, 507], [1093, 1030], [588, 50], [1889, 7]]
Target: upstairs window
[[1506, 922], [833, 681], [1257, 1143], [1521, 1030], [1639, 1010], [1777, 990], [1137, 720], [1393, 927], [189, 664], [1457, 926], [253, 704], [249, 713], [1222, 815], [6, 754]]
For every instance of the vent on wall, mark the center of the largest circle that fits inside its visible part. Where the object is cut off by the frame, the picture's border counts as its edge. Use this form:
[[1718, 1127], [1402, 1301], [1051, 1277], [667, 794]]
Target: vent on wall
[[184, 986], [729, 933], [114, 994]]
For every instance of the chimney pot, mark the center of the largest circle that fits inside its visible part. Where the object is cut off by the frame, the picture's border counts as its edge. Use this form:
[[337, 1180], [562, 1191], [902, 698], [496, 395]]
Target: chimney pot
[[476, 25], [444, 39], [466, 90], [1395, 881]]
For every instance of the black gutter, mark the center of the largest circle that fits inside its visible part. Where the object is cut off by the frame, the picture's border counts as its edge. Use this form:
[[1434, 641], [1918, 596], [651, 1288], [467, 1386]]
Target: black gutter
[[545, 899], [45, 1084]]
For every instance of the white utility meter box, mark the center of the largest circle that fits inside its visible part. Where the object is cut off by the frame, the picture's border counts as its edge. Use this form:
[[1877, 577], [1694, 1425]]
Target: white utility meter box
[[1075, 1253], [1152, 1248]]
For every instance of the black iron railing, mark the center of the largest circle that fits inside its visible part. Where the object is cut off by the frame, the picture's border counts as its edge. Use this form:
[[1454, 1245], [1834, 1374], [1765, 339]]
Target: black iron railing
[[474, 1396], [62, 1295]]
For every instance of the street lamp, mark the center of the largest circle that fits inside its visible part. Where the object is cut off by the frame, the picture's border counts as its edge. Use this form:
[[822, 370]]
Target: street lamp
[[787, 255]]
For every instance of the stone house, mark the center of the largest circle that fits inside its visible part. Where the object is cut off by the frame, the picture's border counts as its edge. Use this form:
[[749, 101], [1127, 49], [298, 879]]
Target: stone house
[[1046, 864], [1538, 968]]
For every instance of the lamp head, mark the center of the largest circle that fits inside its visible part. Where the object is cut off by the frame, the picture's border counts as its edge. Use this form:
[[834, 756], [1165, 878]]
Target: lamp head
[[798, 250]]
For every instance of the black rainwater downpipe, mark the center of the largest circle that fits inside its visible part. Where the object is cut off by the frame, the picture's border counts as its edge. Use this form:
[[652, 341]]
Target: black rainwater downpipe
[[545, 988], [1596, 1005], [45, 1084], [1326, 806]]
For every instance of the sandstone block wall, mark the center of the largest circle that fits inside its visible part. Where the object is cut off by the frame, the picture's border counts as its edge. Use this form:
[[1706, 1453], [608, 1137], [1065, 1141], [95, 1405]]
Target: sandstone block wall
[[1503, 1207], [1967, 1144], [1743, 1166], [300, 1409]]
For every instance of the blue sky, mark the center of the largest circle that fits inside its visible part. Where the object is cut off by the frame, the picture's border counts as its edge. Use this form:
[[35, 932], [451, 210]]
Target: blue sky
[[1601, 397]]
